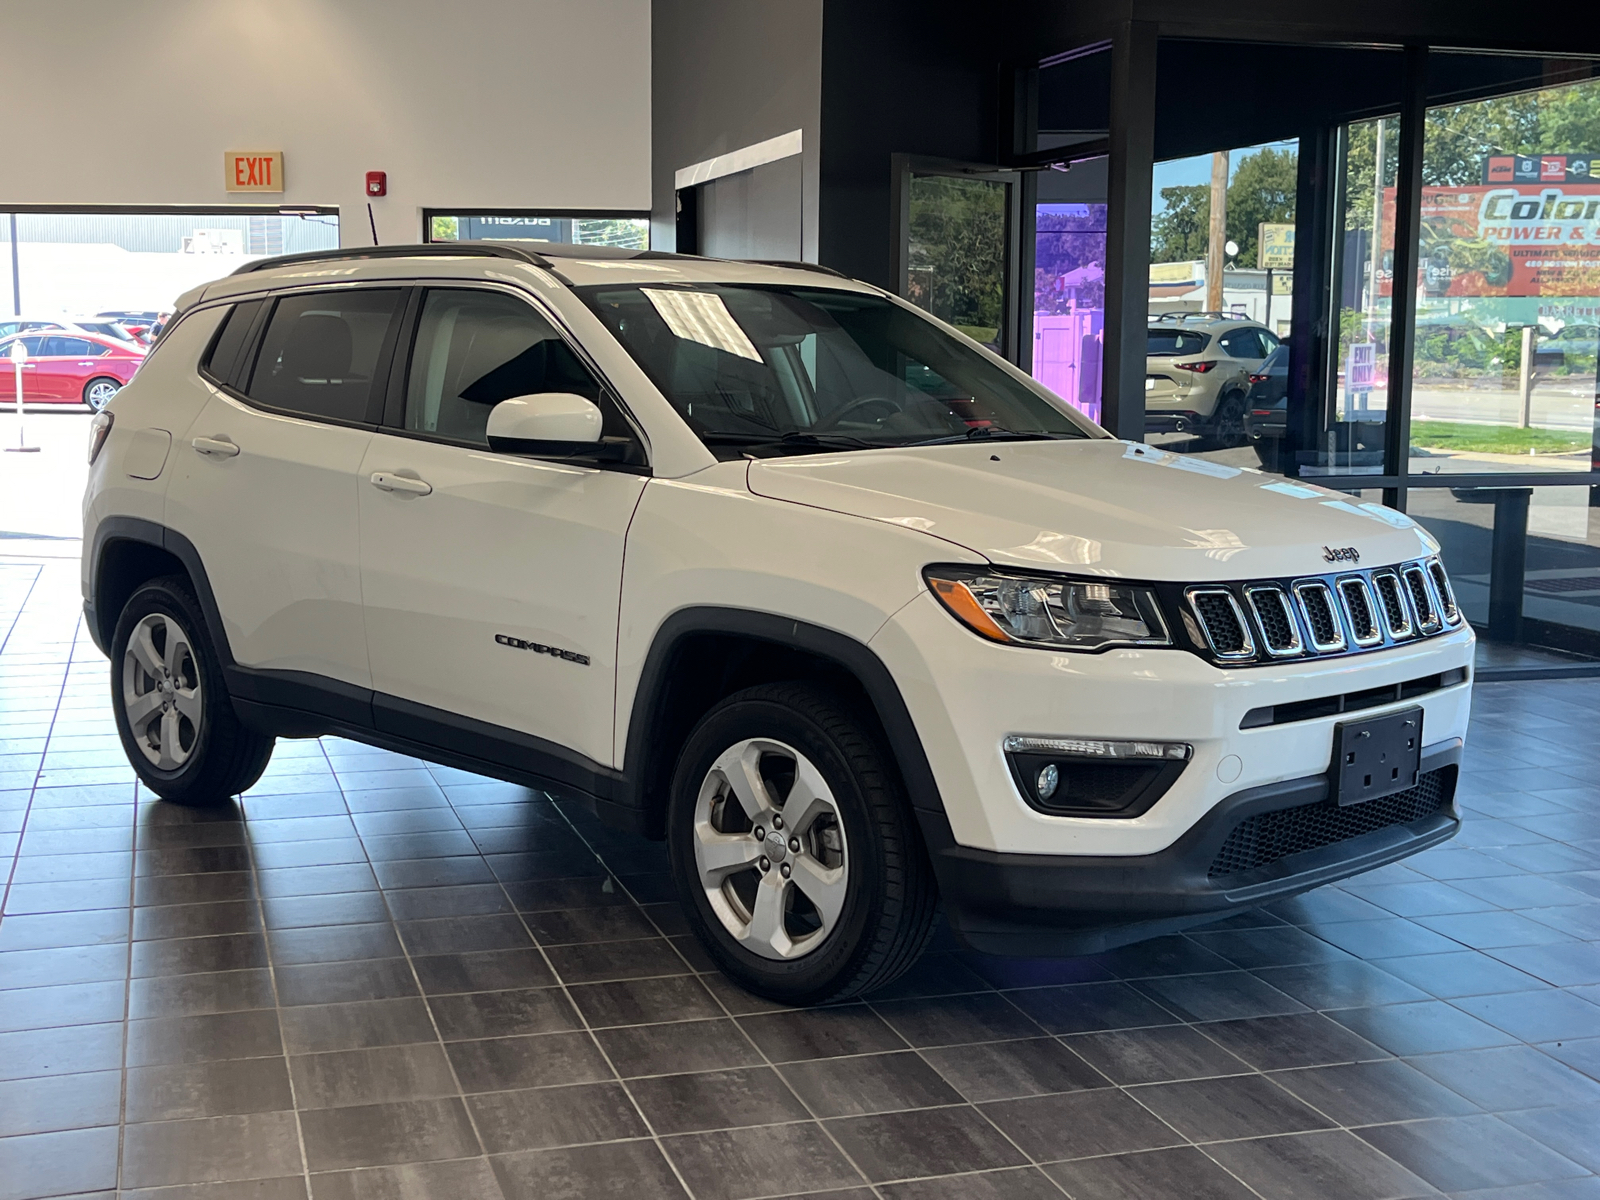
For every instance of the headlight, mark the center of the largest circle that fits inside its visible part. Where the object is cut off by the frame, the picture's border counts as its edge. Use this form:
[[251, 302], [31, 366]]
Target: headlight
[[1048, 611], [98, 429]]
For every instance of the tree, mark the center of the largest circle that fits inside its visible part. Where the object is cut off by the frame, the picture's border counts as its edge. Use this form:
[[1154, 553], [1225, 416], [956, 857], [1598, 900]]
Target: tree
[[1262, 191], [1178, 232]]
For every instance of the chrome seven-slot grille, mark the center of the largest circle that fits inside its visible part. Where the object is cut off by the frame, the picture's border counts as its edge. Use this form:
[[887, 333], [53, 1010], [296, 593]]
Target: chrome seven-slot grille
[[1331, 614]]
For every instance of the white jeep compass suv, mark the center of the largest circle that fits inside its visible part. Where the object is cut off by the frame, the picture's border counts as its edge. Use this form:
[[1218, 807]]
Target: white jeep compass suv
[[770, 564]]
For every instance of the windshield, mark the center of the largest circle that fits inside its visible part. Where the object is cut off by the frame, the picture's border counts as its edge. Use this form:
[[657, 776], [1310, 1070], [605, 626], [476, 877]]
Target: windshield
[[1175, 341], [792, 369]]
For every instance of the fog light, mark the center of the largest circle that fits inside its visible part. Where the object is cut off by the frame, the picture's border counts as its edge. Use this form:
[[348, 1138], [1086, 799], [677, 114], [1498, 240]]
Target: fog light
[[1047, 781]]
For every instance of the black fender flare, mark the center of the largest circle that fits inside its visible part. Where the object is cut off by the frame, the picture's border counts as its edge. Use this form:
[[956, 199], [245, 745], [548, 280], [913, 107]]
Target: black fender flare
[[150, 533]]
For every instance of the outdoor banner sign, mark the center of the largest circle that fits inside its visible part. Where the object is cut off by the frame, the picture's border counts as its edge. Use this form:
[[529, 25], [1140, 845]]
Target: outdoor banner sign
[[1276, 247], [1538, 236]]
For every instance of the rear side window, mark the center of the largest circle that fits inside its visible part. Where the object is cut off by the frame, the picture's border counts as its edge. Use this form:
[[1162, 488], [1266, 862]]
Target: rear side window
[[69, 347], [223, 356], [320, 353], [1243, 343], [1175, 341]]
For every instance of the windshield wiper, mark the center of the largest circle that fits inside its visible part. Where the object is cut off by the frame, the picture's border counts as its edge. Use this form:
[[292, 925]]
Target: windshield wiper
[[826, 441], [990, 432]]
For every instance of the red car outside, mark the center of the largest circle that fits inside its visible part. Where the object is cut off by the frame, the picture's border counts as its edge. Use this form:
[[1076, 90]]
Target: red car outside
[[69, 368]]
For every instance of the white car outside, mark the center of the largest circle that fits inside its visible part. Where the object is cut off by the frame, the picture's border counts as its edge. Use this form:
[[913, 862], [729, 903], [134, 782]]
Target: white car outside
[[766, 562]]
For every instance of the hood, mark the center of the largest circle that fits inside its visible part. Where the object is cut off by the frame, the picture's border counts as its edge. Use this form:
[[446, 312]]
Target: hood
[[1100, 507]]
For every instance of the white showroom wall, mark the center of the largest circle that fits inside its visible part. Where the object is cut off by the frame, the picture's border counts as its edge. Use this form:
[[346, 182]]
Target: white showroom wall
[[471, 104]]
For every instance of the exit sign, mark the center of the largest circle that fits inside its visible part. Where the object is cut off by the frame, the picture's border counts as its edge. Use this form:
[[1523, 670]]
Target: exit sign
[[253, 170]]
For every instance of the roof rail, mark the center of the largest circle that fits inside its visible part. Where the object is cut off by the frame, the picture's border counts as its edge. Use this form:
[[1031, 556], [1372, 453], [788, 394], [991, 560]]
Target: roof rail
[[795, 264], [427, 250]]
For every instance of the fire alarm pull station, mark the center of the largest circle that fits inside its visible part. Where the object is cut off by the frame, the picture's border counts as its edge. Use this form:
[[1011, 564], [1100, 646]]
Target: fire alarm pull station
[[377, 183]]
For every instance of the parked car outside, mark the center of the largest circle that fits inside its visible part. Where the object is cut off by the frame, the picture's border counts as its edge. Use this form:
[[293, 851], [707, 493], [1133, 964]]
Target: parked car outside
[[104, 327], [66, 367], [1267, 407], [772, 565], [11, 325], [1197, 370]]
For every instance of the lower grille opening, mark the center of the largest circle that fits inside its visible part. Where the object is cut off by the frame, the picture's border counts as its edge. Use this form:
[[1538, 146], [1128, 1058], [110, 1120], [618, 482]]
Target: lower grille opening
[[1328, 706], [1267, 837]]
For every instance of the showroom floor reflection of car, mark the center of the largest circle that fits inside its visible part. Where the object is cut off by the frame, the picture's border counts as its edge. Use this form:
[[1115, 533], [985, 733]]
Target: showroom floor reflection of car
[[71, 368]]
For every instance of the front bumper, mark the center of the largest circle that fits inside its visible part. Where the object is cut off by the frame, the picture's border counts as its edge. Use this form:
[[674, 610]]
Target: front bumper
[[1037, 905]]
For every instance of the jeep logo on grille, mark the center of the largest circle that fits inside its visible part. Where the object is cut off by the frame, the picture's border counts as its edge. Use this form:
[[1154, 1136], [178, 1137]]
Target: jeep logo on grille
[[1338, 554]]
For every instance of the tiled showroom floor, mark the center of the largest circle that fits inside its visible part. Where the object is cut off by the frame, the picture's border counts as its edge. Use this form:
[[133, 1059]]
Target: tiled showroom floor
[[380, 980]]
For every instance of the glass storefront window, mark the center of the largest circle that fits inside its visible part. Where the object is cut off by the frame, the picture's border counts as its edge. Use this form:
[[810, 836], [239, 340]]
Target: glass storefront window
[[1069, 302], [628, 232], [1508, 284], [956, 253]]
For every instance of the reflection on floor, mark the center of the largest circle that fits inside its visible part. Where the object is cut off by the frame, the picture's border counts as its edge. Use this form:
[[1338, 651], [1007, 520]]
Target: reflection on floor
[[376, 980]]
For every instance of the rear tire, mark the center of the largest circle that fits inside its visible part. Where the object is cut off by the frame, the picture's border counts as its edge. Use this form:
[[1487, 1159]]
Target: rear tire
[[172, 708], [1227, 423], [98, 392], [849, 909]]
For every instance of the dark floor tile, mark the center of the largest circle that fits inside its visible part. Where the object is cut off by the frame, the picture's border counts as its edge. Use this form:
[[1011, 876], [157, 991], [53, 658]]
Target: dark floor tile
[[434, 872], [344, 982], [540, 1060], [457, 1179], [503, 1014], [55, 1103], [282, 1187], [1348, 984], [820, 1033], [1276, 946], [1310, 1166], [57, 1164], [1010, 1183], [1175, 955], [544, 1118], [1374, 1093], [208, 1038], [677, 1048], [1159, 1055], [1463, 973], [859, 1085], [717, 1100], [1080, 1124], [451, 935], [957, 1020], [74, 896], [338, 908], [1084, 1007], [1240, 1106], [191, 995], [1427, 1027], [208, 1089], [645, 1001], [1390, 938], [257, 1146], [620, 1171], [316, 881], [1005, 1070], [934, 1141], [186, 956], [1510, 1077], [208, 919], [1419, 899], [1458, 1154], [601, 961], [333, 943], [377, 1075], [381, 1134], [1298, 1040], [579, 925], [1233, 995], [315, 1028], [587, 890], [934, 974], [1545, 1016], [1583, 1055], [1572, 1132], [68, 1050], [1565, 964], [1182, 1173], [999, 972], [64, 1004], [482, 971]]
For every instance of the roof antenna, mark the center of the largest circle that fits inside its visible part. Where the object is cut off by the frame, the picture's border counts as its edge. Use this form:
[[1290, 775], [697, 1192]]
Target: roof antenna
[[373, 221]]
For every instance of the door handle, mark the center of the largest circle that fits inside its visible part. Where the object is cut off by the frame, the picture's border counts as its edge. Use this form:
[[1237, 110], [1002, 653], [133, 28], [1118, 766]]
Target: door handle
[[386, 481], [215, 447]]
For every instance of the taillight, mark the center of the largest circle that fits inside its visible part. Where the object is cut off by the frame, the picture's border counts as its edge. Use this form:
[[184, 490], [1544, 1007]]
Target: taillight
[[1199, 368], [1257, 378], [99, 428]]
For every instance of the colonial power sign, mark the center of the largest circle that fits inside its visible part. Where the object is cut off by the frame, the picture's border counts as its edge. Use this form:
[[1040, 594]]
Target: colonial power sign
[[253, 170]]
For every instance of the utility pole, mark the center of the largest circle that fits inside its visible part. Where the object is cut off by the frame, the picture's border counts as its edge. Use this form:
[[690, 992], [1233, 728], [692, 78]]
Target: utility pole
[[1215, 254], [1377, 231]]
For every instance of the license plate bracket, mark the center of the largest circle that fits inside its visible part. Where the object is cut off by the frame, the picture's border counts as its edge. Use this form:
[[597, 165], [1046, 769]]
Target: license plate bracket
[[1376, 757]]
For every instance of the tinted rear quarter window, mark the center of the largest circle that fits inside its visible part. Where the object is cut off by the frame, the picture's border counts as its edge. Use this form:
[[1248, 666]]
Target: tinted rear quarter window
[[1175, 341], [319, 354], [223, 356]]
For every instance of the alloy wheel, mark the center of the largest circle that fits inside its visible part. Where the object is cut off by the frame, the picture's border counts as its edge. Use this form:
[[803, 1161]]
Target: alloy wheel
[[99, 393], [770, 848], [161, 693]]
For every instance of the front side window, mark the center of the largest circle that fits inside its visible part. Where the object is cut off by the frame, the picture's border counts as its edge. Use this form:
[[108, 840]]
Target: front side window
[[474, 349], [765, 368], [319, 354], [69, 347]]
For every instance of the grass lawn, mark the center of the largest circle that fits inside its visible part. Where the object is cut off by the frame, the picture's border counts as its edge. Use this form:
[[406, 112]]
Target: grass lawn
[[1495, 439]]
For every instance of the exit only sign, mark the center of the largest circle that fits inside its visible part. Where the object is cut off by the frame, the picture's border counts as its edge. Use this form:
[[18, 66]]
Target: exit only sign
[[253, 170]]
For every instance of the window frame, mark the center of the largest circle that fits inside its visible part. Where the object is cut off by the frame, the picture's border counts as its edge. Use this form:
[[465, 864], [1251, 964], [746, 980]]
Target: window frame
[[391, 420]]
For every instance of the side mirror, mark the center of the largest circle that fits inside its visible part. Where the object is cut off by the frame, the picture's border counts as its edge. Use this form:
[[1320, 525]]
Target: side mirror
[[547, 422]]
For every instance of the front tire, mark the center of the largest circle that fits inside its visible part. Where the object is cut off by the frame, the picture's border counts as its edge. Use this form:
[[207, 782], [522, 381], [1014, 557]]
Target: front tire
[[172, 709], [794, 851], [98, 392]]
